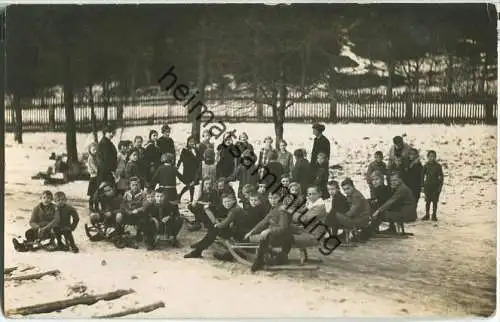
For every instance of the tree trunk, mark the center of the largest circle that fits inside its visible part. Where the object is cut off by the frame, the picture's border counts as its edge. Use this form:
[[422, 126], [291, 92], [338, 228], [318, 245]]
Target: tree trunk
[[119, 108], [255, 83], [449, 74], [60, 305], [132, 81], [409, 109], [200, 84], [18, 122], [69, 109], [332, 96], [257, 100], [105, 101], [391, 68], [93, 118], [279, 120], [484, 75], [488, 113]]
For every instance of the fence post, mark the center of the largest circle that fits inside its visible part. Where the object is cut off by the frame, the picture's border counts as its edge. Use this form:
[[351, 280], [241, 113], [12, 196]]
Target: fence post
[[488, 112], [333, 110]]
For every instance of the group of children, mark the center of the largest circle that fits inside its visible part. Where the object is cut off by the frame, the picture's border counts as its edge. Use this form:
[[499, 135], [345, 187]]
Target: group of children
[[144, 190], [51, 220], [405, 160]]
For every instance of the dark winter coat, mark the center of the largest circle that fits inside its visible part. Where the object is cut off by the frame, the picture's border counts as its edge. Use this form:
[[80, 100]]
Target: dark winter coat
[[414, 177], [301, 173], [166, 176], [202, 147], [245, 175], [191, 162], [227, 160], [44, 216], [433, 176], [401, 202], [107, 158], [321, 179], [152, 156], [68, 216], [272, 178], [166, 145], [321, 144], [112, 204]]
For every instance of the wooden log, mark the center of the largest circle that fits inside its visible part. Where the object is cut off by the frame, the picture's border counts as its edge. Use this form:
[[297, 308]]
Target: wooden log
[[143, 309], [9, 270], [27, 268], [33, 276], [60, 305]]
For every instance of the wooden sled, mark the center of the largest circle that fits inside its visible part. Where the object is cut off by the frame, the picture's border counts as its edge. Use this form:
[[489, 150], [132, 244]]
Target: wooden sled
[[101, 232], [244, 253], [399, 234]]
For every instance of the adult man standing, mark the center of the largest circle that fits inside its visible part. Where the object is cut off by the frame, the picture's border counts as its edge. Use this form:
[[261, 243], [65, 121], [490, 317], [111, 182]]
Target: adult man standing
[[321, 144], [107, 157], [398, 149]]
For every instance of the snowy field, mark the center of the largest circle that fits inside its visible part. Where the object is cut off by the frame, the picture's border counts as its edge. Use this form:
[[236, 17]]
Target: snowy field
[[446, 269], [382, 110]]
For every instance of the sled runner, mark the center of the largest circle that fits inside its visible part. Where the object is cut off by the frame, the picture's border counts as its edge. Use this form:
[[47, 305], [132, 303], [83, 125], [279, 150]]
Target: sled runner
[[102, 231], [244, 253], [398, 234]]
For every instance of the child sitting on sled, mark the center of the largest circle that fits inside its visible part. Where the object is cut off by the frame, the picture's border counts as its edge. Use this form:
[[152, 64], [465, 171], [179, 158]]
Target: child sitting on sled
[[108, 206], [163, 218], [43, 222], [68, 221]]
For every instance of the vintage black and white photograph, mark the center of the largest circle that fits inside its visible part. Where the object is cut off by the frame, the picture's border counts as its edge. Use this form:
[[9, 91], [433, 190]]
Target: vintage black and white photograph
[[250, 160]]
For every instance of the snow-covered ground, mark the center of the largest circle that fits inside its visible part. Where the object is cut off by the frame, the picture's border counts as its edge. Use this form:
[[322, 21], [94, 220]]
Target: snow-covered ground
[[447, 269]]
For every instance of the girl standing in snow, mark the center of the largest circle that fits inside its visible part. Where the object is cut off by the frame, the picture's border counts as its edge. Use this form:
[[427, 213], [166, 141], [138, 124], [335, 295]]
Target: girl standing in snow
[[226, 157], [191, 162], [92, 168], [152, 154], [285, 158]]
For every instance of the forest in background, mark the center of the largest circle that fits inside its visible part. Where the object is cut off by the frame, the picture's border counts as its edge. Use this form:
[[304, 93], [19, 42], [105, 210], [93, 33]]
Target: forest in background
[[268, 50]]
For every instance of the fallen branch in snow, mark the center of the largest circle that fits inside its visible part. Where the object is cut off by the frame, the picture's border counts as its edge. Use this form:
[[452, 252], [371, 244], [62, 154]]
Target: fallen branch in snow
[[143, 309], [9, 270], [33, 276], [59, 305], [27, 268]]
